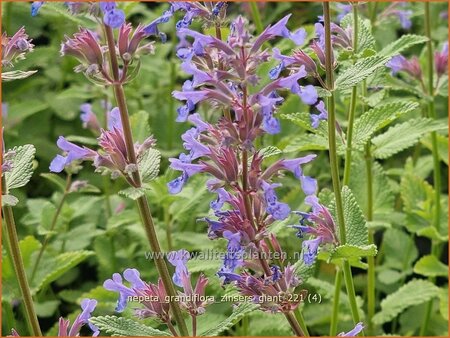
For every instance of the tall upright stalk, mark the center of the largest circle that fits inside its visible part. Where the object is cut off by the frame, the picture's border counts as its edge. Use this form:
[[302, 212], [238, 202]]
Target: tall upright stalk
[[334, 160], [144, 208], [347, 167], [435, 151], [19, 268]]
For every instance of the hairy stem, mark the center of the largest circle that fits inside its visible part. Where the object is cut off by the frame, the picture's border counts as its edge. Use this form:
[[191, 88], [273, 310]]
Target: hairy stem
[[334, 160], [52, 226], [435, 152], [144, 208], [19, 268]]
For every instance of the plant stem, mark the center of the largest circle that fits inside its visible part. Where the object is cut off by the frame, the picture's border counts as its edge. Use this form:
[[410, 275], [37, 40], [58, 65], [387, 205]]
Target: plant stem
[[353, 99], [19, 268], [144, 208], [52, 226], [194, 326], [337, 294], [256, 17], [334, 160], [370, 259], [435, 152], [301, 321]]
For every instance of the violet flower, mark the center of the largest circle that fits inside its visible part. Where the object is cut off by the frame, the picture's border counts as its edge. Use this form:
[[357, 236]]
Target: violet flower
[[354, 332], [15, 47], [400, 63], [441, 60]]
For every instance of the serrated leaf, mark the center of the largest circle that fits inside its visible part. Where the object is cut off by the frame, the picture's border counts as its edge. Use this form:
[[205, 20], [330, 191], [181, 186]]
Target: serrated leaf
[[404, 135], [148, 164], [118, 326], [400, 249], [355, 224], [353, 251], [442, 145], [132, 193], [9, 200], [365, 37], [413, 293], [430, 266], [379, 117], [53, 268], [17, 75], [270, 151], [239, 312], [401, 44], [307, 142], [22, 166], [359, 71]]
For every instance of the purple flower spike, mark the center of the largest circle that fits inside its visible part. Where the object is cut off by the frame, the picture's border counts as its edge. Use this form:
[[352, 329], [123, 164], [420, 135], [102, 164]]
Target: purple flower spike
[[310, 248], [179, 259], [73, 151], [354, 332]]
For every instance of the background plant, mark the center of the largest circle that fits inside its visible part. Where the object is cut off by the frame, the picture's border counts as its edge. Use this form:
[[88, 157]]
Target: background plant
[[390, 115]]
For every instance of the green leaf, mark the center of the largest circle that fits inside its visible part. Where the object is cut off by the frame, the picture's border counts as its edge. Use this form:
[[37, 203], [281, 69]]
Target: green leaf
[[413, 293], [9, 200], [139, 126], [17, 75], [401, 44], [430, 266], [148, 164], [118, 326], [442, 143], [353, 251], [270, 151], [355, 224], [403, 136], [53, 268], [238, 313], [132, 193], [22, 166], [379, 117], [443, 302], [365, 37], [359, 71], [58, 181], [400, 250], [306, 142]]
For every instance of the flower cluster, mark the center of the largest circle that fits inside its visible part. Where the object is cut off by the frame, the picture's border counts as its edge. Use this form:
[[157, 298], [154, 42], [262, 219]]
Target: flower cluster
[[87, 48], [209, 12], [15, 47], [412, 66], [112, 16], [112, 155], [318, 223], [224, 75], [154, 297], [397, 10], [64, 328]]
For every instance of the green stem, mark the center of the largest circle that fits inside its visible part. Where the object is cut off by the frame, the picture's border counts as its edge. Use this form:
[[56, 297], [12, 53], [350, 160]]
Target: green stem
[[337, 294], [334, 160], [435, 152], [52, 226], [301, 321], [13, 241], [256, 17], [373, 12], [144, 208]]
